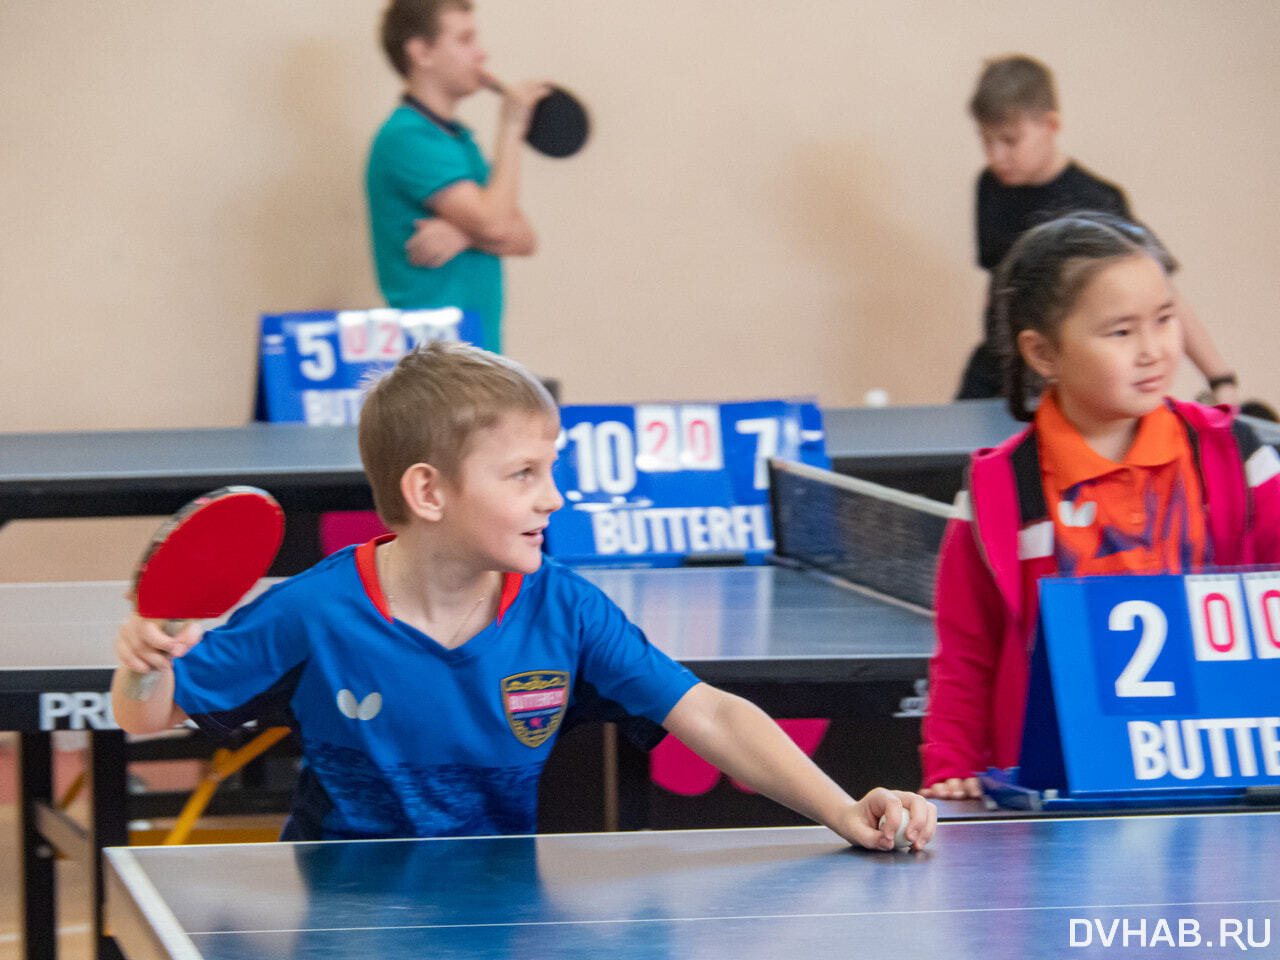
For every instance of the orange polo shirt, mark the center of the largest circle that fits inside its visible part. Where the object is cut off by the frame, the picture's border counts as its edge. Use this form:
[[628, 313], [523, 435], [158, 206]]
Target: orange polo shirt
[[1145, 513]]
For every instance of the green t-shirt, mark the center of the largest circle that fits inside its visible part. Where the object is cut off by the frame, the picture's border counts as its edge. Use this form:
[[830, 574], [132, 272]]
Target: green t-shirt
[[412, 158]]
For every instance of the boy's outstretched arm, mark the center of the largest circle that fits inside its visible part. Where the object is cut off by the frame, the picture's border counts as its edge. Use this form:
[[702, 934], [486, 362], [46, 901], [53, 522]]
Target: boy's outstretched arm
[[142, 646], [743, 741]]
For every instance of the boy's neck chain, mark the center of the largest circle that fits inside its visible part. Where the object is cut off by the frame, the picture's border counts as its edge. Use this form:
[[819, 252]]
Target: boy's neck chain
[[389, 595], [453, 641]]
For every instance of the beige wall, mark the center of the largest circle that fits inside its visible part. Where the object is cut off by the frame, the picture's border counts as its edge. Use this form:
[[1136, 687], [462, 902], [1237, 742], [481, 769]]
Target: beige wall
[[777, 198]]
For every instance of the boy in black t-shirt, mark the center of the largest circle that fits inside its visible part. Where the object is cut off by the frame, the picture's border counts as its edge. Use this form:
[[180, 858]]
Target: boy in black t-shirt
[[1028, 180]]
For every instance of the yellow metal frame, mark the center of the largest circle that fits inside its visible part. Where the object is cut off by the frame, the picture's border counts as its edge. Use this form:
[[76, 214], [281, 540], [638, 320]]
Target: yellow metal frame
[[222, 765]]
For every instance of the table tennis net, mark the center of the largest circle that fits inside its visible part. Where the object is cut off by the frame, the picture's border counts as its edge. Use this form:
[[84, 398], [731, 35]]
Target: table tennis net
[[864, 533]]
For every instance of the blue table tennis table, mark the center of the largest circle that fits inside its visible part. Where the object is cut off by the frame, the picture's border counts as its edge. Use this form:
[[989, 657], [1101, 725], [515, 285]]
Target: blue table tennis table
[[1150, 886]]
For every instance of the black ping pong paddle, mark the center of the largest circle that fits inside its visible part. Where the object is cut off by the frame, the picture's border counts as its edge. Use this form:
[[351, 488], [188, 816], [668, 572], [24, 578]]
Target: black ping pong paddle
[[559, 126]]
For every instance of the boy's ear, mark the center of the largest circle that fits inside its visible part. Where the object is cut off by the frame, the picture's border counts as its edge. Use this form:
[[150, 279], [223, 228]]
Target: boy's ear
[[1053, 120], [423, 492], [418, 51], [1039, 353]]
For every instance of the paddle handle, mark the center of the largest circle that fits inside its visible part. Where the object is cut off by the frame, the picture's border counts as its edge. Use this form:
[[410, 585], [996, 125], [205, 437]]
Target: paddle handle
[[141, 686]]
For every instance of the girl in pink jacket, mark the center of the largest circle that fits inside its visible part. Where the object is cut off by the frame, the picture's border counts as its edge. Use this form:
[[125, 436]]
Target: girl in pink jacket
[[1112, 476]]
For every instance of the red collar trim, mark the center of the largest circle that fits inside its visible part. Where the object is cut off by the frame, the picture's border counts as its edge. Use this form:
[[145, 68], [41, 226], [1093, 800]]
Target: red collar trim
[[510, 589], [367, 567]]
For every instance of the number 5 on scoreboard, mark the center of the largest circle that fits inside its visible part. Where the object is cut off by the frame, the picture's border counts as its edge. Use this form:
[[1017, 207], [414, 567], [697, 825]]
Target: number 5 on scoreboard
[[317, 359]]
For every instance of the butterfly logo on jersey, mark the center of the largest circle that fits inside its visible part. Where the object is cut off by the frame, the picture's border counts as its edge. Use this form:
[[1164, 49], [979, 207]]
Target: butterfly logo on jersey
[[354, 709], [1077, 515], [534, 703]]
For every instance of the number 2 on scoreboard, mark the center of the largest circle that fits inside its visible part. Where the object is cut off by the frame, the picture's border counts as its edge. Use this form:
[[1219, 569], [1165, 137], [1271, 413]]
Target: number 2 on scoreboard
[[1133, 681]]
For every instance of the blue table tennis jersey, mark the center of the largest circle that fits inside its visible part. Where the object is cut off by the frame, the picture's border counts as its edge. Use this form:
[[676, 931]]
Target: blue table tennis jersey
[[401, 736]]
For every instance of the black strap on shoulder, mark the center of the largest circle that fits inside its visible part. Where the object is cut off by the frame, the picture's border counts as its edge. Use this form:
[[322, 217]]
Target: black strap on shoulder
[[1027, 480], [1248, 444], [1246, 439]]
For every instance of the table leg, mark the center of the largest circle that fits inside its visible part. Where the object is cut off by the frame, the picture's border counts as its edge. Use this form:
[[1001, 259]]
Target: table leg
[[37, 902], [108, 793], [633, 786]]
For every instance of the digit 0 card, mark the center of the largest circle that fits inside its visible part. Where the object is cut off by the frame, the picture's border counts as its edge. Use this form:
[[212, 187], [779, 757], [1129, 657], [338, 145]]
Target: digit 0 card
[[1160, 682]]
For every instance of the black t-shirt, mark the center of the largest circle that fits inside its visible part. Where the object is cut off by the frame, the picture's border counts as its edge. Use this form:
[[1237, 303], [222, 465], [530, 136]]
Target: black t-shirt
[[1004, 213]]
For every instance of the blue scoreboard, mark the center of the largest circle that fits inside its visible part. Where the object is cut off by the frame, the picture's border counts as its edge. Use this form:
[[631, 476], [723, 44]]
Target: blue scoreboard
[[312, 364], [1145, 686], [664, 483]]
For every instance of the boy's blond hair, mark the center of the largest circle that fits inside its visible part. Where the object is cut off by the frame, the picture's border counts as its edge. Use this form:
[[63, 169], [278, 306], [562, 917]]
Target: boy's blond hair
[[429, 408], [1012, 85]]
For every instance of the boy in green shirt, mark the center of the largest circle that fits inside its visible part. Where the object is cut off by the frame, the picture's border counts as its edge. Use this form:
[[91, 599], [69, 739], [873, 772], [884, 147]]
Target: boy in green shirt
[[440, 216]]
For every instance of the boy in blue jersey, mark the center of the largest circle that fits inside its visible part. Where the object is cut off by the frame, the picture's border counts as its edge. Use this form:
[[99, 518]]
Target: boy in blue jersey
[[427, 672]]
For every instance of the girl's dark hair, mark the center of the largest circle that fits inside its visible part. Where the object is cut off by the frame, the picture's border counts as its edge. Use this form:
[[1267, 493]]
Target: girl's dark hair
[[1044, 272]]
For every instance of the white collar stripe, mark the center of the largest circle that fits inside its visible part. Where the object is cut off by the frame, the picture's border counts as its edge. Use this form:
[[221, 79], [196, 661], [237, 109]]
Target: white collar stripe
[[1036, 540], [1262, 466]]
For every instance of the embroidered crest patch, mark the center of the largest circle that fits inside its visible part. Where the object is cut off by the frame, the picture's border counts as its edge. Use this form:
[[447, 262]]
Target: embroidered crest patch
[[534, 703]]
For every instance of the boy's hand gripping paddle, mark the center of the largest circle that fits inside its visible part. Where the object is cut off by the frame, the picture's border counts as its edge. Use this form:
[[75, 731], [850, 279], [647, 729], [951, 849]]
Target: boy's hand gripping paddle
[[202, 560], [559, 125]]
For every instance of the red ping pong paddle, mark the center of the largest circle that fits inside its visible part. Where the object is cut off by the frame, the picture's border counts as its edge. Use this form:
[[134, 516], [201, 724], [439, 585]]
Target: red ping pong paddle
[[202, 561], [559, 125]]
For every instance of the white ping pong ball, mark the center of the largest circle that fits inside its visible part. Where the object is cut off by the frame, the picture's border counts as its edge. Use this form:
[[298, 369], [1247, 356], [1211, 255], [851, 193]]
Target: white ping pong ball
[[876, 398], [900, 841]]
